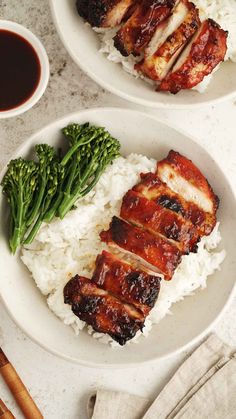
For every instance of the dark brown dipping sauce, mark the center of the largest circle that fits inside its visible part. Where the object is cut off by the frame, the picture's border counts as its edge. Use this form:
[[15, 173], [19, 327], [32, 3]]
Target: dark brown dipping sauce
[[19, 70]]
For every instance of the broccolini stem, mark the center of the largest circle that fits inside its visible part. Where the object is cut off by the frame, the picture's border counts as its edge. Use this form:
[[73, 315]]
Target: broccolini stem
[[67, 204], [34, 230], [72, 173], [70, 197], [92, 184], [35, 210], [50, 214], [11, 224], [15, 239]]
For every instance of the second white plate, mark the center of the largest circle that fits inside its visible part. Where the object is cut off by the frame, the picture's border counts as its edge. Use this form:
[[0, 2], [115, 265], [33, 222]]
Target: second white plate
[[82, 43]]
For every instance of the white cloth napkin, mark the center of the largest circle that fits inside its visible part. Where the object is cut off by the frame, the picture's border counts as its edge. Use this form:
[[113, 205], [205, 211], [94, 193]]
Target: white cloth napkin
[[203, 387], [114, 404]]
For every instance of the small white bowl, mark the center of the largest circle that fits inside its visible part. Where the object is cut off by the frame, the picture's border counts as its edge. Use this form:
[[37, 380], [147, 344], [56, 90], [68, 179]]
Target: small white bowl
[[44, 65]]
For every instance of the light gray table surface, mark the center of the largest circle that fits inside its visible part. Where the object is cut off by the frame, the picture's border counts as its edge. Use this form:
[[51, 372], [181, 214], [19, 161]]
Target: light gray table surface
[[59, 387]]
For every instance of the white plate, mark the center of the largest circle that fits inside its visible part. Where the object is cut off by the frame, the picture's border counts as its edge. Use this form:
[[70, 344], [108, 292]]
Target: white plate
[[191, 318], [83, 46]]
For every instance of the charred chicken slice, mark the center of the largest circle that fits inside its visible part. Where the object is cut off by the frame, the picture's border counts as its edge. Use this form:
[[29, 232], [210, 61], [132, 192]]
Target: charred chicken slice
[[83, 8], [137, 31], [155, 250], [130, 285], [206, 50], [104, 312], [104, 13], [184, 178], [157, 219], [152, 188], [169, 41]]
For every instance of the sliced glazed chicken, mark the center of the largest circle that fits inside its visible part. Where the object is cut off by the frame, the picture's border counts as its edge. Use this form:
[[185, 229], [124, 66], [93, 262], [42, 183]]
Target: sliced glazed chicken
[[129, 285], [163, 216], [159, 220], [152, 187], [137, 31], [206, 50], [184, 178], [155, 250], [169, 40], [102, 311], [104, 13]]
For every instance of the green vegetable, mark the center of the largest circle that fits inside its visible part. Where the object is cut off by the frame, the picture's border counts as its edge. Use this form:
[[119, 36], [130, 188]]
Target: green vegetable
[[46, 155], [19, 184], [55, 175], [91, 151], [39, 191]]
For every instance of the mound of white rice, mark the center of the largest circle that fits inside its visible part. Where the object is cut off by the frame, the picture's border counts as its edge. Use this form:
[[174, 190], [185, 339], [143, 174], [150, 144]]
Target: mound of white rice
[[69, 246], [222, 11]]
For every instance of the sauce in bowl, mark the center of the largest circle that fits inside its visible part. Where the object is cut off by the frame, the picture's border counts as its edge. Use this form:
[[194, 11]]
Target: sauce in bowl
[[20, 70]]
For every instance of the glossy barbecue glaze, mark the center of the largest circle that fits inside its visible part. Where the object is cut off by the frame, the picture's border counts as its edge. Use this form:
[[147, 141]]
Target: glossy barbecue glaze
[[157, 64], [185, 178], [136, 33], [130, 285], [155, 250], [204, 53], [102, 311], [159, 220], [152, 187]]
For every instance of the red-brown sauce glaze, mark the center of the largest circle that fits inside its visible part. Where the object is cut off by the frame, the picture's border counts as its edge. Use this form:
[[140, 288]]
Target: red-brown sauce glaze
[[19, 70]]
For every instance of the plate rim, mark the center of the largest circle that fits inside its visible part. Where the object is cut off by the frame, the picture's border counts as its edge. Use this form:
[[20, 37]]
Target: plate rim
[[170, 353], [120, 93]]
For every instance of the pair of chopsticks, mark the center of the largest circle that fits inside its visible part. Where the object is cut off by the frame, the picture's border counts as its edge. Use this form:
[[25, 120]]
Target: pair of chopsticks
[[18, 390]]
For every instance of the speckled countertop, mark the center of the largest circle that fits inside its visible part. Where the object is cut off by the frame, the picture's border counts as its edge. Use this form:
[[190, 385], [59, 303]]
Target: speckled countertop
[[59, 387]]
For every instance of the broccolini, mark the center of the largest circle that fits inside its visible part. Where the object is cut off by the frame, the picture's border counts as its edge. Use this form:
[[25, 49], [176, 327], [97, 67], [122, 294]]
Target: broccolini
[[19, 185], [91, 150], [37, 191]]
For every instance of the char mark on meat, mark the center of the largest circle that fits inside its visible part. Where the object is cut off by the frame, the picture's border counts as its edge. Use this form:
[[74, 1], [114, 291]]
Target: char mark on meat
[[102, 311], [156, 251], [132, 286]]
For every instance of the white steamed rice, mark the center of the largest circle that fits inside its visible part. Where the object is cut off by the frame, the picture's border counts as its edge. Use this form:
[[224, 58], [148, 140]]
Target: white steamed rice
[[222, 11], [69, 246]]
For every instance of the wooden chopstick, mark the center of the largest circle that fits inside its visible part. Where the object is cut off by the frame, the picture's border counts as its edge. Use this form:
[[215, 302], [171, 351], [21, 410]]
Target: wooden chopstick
[[5, 412], [18, 389]]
